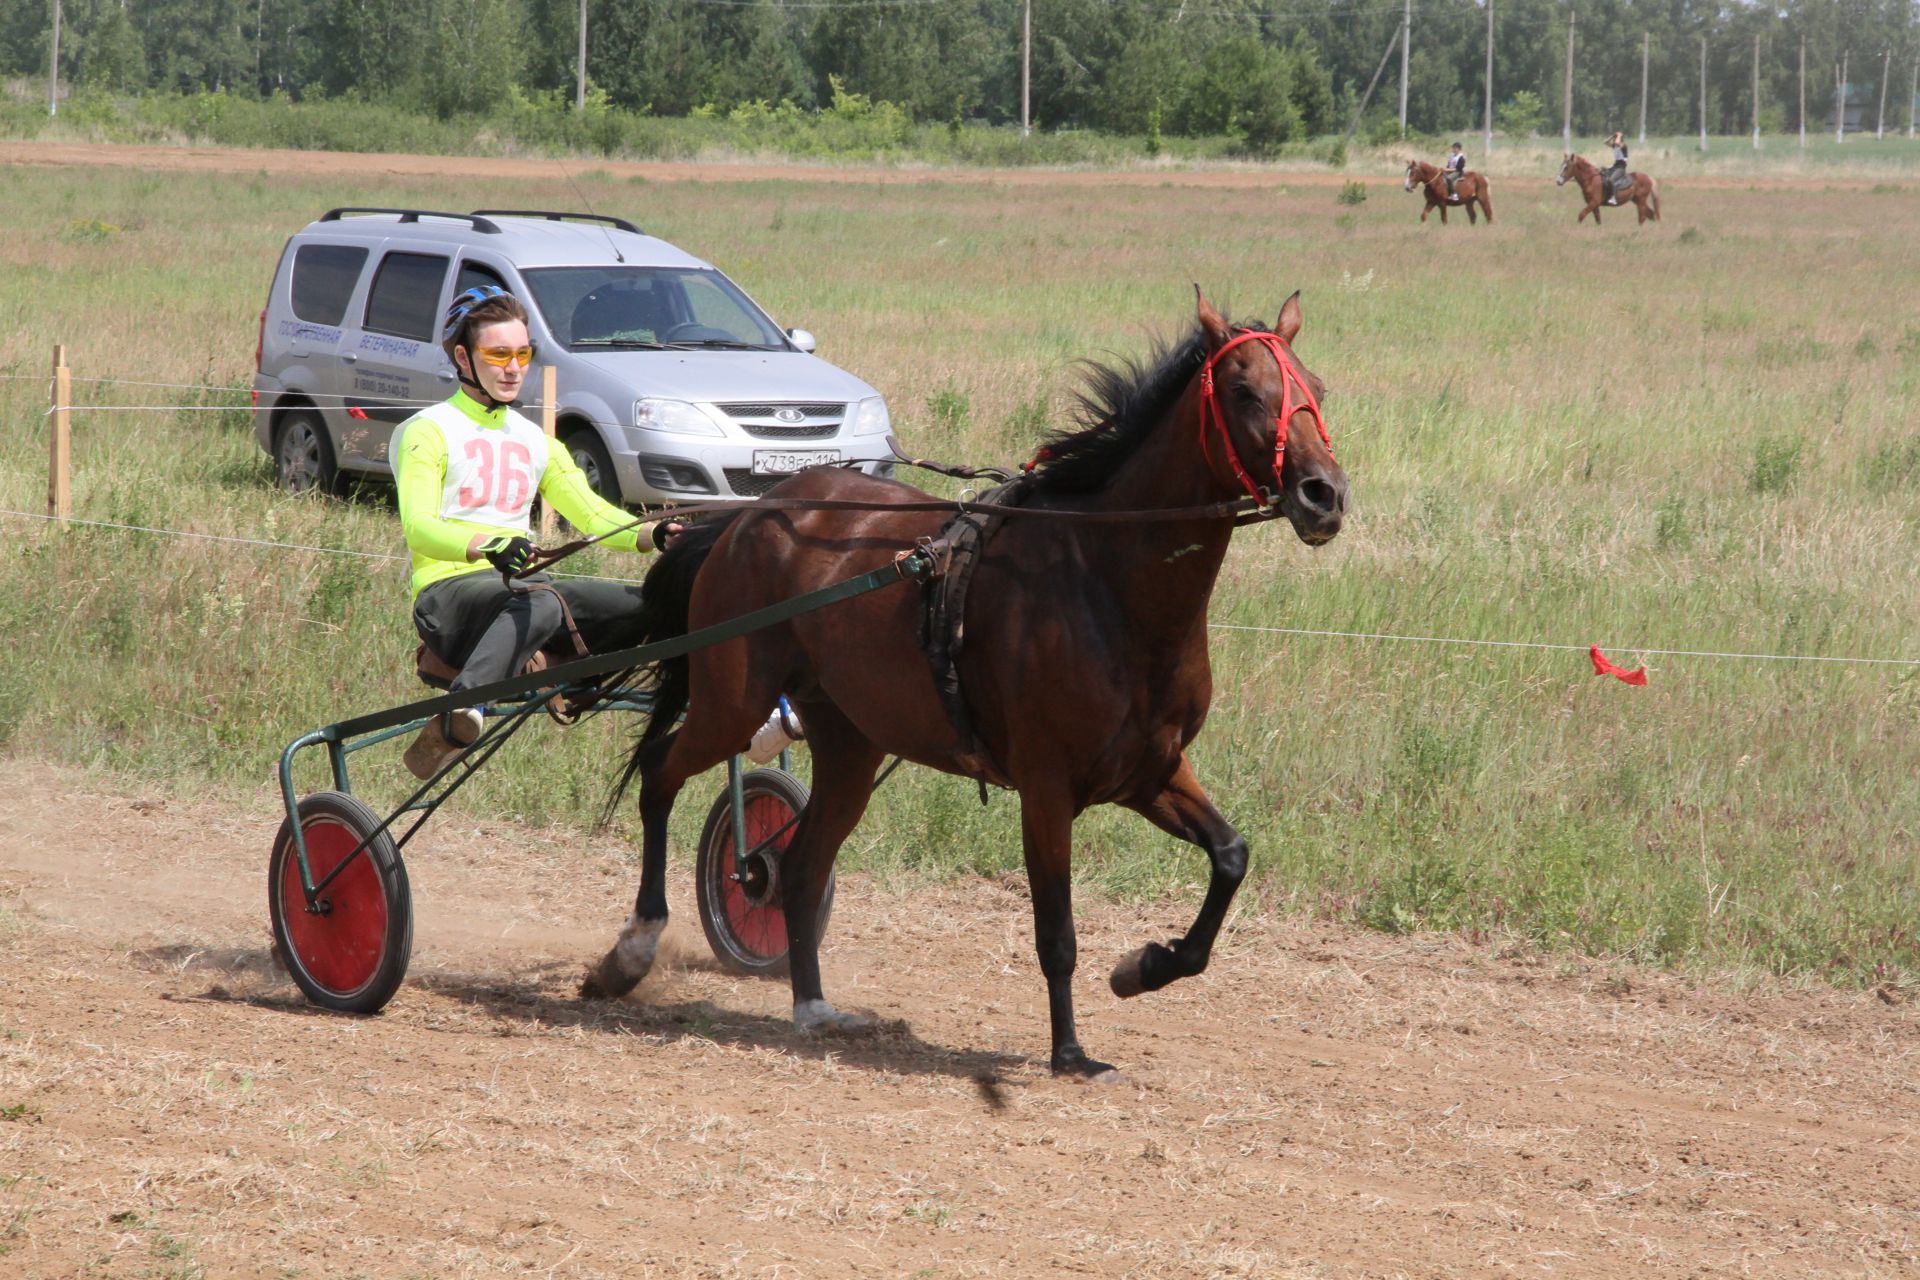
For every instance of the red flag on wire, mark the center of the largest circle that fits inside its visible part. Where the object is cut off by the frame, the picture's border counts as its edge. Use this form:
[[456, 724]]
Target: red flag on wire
[[355, 411], [1602, 667]]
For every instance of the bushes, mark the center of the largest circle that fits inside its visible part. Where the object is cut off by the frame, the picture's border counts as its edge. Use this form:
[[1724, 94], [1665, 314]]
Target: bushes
[[1260, 118]]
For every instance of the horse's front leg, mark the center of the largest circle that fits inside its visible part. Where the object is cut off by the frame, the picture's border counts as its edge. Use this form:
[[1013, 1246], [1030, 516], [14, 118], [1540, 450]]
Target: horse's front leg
[[1182, 809], [1046, 830]]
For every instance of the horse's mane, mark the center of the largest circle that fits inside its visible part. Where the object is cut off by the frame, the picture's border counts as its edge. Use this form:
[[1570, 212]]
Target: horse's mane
[[1117, 408]]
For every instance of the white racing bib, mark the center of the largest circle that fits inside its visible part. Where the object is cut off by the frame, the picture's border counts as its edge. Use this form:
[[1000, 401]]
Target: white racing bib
[[492, 472]]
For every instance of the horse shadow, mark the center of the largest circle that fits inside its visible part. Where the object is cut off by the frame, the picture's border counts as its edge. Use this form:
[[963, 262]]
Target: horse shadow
[[889, 1045], [542, 995]]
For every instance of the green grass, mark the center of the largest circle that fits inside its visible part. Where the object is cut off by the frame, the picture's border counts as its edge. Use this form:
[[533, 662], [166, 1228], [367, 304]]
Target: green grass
[[1697, 436]]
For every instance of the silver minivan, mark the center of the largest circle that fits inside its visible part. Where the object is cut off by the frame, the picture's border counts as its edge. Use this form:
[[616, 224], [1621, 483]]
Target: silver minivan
[[672, 383]]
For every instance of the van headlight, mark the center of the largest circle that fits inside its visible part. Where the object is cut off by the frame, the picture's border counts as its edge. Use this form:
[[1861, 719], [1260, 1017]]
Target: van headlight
[[676, 417], [870, 417]]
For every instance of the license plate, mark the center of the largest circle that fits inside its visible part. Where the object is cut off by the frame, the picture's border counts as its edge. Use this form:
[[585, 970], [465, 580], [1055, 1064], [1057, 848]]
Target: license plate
[[784, 462]]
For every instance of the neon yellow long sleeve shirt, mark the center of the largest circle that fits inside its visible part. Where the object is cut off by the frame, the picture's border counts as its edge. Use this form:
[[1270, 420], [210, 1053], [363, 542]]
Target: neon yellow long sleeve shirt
[[463, 470]]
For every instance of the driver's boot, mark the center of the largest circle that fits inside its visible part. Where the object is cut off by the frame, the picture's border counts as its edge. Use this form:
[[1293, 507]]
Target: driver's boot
[[442, 740]]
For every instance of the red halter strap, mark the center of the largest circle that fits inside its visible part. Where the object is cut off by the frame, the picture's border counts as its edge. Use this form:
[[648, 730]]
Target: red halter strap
[[1290, 381]]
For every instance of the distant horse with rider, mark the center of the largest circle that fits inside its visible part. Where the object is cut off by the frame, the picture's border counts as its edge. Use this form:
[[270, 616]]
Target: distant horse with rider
[[1638, 189], [1469, 189]]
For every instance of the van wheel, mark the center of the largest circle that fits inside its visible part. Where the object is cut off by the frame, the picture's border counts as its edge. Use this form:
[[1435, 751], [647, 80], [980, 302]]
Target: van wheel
[[590, 455], [303, 455]]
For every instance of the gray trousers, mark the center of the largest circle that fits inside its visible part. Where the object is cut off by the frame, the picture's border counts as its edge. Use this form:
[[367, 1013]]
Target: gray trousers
[[476, 623]]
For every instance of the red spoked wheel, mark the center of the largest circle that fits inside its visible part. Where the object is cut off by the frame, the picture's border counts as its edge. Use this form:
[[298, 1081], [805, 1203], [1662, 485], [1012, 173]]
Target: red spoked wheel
[[740, 906], [350, 952]]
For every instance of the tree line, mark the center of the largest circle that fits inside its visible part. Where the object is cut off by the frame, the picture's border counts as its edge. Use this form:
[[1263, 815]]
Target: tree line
[[1266, 71]]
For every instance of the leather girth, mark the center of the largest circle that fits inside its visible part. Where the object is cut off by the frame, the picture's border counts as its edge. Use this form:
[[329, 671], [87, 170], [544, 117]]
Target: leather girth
[[943, 632]]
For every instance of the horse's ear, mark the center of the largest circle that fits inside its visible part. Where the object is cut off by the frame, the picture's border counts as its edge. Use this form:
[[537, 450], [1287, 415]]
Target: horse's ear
[[1210, 320], [1288, 325]]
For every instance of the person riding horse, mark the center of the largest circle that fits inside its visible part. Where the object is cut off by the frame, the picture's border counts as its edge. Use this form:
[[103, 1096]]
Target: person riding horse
[[1615, 178], [1454, 168], [467, 470]]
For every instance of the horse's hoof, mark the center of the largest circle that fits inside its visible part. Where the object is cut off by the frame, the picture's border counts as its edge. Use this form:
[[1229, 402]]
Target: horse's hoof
[[1148, 969], [817, 1017], [1128, 979], [1078, 1066], [631, 959]]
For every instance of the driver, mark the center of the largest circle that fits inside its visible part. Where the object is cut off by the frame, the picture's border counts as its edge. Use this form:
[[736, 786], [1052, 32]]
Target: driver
[[467, 470]]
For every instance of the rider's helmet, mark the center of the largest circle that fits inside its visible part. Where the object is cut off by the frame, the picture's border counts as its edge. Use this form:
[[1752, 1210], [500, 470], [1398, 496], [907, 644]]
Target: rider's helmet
[[485, 302]]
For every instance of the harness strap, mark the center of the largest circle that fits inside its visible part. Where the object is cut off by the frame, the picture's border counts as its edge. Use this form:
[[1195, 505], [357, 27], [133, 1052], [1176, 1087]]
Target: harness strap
[[1210, 511]]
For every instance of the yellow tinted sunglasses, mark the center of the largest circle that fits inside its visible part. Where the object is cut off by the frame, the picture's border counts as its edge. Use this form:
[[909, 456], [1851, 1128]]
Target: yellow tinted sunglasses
[[501, 357]]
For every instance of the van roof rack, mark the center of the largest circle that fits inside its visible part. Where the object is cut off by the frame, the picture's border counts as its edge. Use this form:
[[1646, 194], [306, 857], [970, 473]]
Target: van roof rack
[[620, 224], [483, 225]]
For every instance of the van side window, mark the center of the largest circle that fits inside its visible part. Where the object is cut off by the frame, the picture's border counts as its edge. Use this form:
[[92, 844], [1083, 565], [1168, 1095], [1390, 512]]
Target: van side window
[[323, 280], [406, 295], [475, 274]]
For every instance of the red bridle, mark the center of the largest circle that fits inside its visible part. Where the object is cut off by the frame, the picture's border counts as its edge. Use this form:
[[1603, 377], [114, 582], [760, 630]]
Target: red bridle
[[1289, 380]]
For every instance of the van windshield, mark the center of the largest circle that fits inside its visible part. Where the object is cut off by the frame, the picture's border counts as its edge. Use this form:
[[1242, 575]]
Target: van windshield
[[649, 308]]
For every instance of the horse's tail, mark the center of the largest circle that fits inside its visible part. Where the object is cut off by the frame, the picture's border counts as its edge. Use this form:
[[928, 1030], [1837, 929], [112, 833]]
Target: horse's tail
[[1486, 197], [665, 595], [1653, 194]]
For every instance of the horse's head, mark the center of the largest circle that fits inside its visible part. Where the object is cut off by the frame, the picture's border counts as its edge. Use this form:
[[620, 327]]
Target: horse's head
[[1566, 170], [1259, 391], [1413, 174]]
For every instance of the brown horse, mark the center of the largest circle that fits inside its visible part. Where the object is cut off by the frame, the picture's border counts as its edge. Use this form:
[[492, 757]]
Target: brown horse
[[1085, 665], [1644, 193], [1472, 188]]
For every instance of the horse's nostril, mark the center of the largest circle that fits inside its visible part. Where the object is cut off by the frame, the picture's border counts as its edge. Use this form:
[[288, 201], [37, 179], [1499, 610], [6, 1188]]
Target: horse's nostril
[[1319, 495]]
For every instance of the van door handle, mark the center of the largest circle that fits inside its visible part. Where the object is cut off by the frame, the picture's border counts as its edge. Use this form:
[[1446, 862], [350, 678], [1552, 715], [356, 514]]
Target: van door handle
[[348, 357], [444, 377]]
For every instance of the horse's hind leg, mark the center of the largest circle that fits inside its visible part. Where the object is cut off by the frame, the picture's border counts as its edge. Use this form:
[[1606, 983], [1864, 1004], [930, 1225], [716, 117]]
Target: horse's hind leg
[[631, 958], [1182, 809], [844, 762], [713, 731]]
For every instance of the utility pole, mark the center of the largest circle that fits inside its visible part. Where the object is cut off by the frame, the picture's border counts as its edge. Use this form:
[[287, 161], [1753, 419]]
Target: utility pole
[[1803, 91], [1566, 114], [1886, 69], [1406, 37], [1026, 68], [1840, 98], [1756, 92], [1489, 124], [1913, 96], [1365, 98], [580, 81], [53, 66], [1646, 46], [1703, 93]]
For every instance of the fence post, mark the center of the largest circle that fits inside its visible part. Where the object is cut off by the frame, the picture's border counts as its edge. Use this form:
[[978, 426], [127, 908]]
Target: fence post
[[60, 441], [550, 420]]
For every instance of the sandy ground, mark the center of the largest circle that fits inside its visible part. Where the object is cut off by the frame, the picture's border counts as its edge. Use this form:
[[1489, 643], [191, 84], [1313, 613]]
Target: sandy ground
[[1320, 1103], [359, 167]]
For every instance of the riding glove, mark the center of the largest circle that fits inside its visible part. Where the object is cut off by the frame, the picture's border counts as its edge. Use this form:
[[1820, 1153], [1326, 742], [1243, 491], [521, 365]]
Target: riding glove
[[507, 553], [665, 532]]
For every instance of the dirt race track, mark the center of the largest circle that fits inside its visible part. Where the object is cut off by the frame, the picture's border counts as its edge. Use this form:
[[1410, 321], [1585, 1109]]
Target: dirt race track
[[363, 166], [1320, 1103]]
